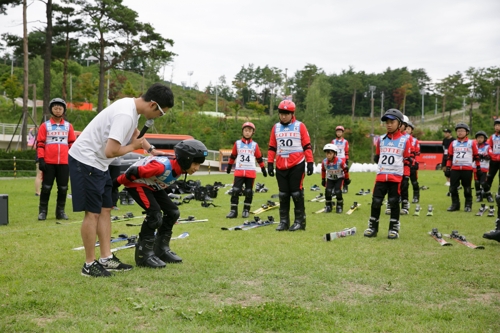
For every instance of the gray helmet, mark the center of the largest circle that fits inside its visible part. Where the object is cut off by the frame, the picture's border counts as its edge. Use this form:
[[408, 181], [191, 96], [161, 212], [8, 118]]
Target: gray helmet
[[392, 114], [57, 101], [462, 125], [410, 124], [497, 121], [483, 133], [189, 151]]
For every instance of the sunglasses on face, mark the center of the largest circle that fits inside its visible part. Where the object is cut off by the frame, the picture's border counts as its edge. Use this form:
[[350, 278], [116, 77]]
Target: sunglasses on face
[[159, 108]]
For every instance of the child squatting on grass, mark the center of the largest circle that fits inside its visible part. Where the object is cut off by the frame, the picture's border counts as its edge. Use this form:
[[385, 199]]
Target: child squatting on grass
[[146, 181]]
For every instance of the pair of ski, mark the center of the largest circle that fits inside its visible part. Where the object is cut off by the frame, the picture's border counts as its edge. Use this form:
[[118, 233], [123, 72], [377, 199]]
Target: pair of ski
[[256, 223], [125, 217], [189, 219], [132, 243], [339, 234], [455, 236], [430, 210], [482, 209], [265, 207]]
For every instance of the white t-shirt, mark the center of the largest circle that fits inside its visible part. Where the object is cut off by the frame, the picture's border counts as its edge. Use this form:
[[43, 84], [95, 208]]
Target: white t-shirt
[[118, 121]]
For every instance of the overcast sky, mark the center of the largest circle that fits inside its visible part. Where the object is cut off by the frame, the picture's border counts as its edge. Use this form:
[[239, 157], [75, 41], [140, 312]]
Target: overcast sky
[[218, 37]]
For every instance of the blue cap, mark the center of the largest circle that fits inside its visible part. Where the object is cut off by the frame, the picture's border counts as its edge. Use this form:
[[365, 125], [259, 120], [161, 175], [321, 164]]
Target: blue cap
[[389, 116]]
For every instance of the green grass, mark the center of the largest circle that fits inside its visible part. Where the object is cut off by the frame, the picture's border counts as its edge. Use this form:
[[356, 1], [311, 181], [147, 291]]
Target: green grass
[[257, 280]]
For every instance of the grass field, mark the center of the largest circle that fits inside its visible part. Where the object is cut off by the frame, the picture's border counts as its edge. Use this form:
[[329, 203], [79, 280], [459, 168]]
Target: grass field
[[257, 280]]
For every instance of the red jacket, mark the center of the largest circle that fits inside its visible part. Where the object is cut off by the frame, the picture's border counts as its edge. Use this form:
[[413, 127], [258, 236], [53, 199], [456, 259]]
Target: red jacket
[[407, 160], [294, 158], [246, 173], [54, 143], [472, 164]]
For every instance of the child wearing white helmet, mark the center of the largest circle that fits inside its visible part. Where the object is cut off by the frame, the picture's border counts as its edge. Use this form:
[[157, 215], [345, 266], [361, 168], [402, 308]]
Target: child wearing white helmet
[[342, 149], [334, 174]]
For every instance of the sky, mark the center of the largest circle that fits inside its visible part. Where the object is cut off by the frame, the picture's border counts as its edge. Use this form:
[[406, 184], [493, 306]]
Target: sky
[[218, 37]]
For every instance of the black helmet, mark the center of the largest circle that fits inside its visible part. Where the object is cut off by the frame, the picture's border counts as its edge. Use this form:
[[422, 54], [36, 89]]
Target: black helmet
[[57, 101], [462, 125], [392, 114], [483, 133], [189, 151]]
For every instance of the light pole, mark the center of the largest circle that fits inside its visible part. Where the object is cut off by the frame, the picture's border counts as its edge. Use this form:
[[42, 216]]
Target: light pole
[[381, 107], [216, 98], [422, 92], [436, 107], [372, 89], [190, 73]]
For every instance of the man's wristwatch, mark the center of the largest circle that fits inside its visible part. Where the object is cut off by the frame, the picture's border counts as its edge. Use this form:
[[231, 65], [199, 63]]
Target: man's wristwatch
[[151, 149]]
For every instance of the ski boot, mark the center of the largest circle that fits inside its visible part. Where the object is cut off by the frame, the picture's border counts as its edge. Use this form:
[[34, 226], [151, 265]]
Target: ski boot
[[345, 189], [328, 207], [430, 210], [491, 211], [415, 200], [393, 229], [300, 220], [489, 197], [481, 211], [361, 192], [455, 205], [42, 213], [417, 210], [284, 210], [233, 213], [144, 255], [479, 197], [130, 201], [162, 249], [405, 208], [123, 197], [467, 209], [494, 234], [246, 211], [388, 209], [372, 229], [60, 214], [340, 206]]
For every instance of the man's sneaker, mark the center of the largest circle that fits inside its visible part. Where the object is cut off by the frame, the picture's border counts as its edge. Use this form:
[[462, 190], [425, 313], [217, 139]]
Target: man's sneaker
[[114, 264], [95, 270]]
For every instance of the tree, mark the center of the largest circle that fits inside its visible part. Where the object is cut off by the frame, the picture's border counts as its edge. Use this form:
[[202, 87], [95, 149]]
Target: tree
[[5, 3], [354, 83], [117, 36], [13, 88], [317, 108], [68, 24]]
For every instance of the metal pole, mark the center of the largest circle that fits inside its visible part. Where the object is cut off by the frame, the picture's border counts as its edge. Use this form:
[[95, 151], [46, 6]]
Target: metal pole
[[381, 108], [436, 107], [422, 91], [216, 100], [372, 89]]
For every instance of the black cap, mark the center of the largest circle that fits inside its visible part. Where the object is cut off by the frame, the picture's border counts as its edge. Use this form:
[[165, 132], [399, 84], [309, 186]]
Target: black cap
[[447, 130]]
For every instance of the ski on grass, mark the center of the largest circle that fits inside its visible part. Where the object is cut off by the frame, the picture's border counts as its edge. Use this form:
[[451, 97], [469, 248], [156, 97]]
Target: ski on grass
[[462, 240], [126, 217], [481, 211], [339, 234], [265, 207], [257, 224], [133, 242], [417, 210], [179, 221], [438, 237], [353, 208], [121, 238], [318, 198], [244, 224]]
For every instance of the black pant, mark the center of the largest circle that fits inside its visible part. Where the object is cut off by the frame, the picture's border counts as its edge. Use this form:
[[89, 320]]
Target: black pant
[[392, 189], [494, 167], [59, 173], [291, 180], [465, 178], [155, 201], [334, 187], [114, 172]]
